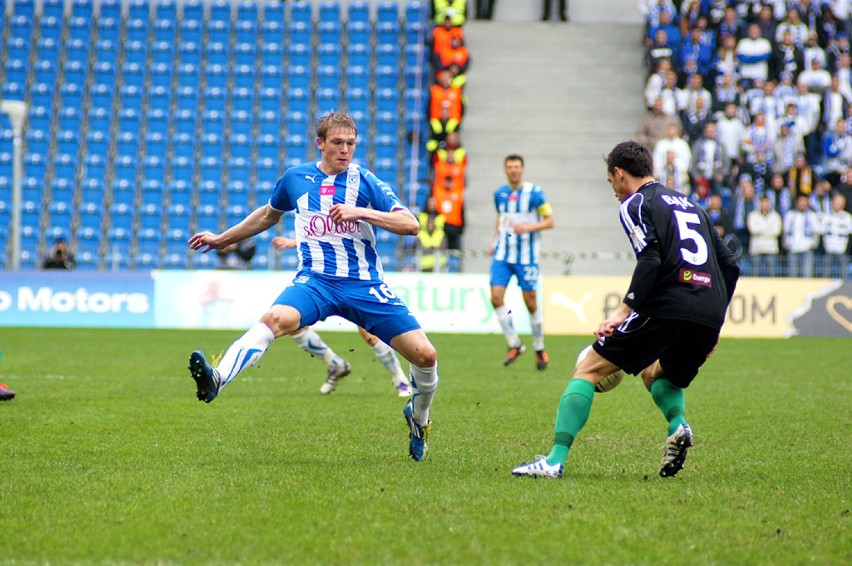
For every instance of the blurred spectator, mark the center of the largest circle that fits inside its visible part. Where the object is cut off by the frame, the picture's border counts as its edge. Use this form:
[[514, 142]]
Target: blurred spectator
[[757, 138], [816, 77], [694, 118], [764, 227], [787, 57], [800, 178], [785, 148], [694, 89], [808, 106], [845, 188], [785, 91], [659, 48], [673, 37], [672, 176], [652, 9], [764, 101], [753, 53], [801, 235], [766, 21], [690, 11], [669, 93], [836, 150], [792, 22], [729, 131], [719, 216], [547, 11], [451, 159], [654, 124], [441, 127], [778, 194], [456, 10], [744, 203], [820, 199], [430, 211], [731, 25], [726, 62], [456, 54], [844, 75], [682, 153], [431, 246], [450, 201], [835, 105], [813, 51], [696, 47], [59, 256], [835, 52], [708, 158], [238, 255], [443, 34], [443, 95], [830, 30], [656, 80], [836, 231]]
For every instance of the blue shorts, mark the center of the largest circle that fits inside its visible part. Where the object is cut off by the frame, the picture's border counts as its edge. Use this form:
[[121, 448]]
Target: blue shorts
[[502, 272], [371, 305]]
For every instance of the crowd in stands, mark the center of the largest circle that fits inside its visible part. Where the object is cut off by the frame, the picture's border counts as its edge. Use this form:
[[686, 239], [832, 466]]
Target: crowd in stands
[[442, 219], [749, 114]]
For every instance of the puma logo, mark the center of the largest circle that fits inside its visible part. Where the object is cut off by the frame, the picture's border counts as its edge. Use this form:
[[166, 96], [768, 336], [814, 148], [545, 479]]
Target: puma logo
[[310, 178], [576, 307]]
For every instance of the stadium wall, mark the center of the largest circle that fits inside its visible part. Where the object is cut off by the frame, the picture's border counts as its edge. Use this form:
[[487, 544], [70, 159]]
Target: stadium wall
[[762, 308]]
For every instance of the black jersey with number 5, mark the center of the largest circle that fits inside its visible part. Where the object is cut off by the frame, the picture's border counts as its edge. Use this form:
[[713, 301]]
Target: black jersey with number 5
[[683, 270]]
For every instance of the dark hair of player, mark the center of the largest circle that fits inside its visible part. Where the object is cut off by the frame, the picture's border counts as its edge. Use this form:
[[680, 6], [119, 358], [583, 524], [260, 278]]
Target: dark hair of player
[[632, 158], [513, 157]]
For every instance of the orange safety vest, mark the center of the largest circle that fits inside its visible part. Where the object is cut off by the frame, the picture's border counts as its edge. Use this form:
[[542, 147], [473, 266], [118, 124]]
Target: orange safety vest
[[450, 98], [450, 204], [458, 56], [442, 37]]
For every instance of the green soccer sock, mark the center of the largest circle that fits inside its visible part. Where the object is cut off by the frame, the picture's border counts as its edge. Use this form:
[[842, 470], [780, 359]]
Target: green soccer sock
[[670, 399], [574, 409]]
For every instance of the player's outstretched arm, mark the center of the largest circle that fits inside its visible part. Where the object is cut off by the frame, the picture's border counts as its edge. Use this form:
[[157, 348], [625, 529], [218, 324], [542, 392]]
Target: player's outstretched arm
[[399, 221], [256, 222], [283, 242]]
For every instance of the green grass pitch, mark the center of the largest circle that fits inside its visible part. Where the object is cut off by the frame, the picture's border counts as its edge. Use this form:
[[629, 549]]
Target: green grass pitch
[[107, 457]]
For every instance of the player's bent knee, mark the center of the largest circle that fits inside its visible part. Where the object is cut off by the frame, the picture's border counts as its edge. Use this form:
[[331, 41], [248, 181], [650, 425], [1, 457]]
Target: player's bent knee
[[282, 320]]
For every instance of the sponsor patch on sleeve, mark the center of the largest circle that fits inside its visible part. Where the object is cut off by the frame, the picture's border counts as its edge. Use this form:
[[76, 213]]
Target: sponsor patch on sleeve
[[695, 278]]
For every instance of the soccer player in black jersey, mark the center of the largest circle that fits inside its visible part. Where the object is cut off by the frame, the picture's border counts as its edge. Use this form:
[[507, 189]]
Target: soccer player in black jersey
[[669, 321]]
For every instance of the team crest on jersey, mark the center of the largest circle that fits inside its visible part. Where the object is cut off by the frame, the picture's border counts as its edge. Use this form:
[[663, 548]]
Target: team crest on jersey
[[695, 278], [353, 178]]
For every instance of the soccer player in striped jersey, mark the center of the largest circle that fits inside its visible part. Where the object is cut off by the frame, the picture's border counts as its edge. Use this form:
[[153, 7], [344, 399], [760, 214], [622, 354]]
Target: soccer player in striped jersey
[[337, 203], [522, 213], [669, 320]]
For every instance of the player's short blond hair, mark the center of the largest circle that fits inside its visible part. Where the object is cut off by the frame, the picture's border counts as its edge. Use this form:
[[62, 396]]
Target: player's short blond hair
[[334, 120]]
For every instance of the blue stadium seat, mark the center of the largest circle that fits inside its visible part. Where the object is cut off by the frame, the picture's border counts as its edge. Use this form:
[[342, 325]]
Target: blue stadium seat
[[242, 99], [416, 33], [329, 11], [39, 118], [44, 72], [297, 122], [187, 99], [166, 10], [270, 100], [329, 33], [239, 170], [215, 99], [359, 33], [126, 144], [267, 170], [61, 190], [185, 122], [76, 51], [126, 167], [300, 33], [41, 95], [134, 74], [268, 147], [121, 216], [92, 191], [359, 11], [240, 146], [156, 140], [245, 33], [163, 53], [183, 169], [154, 168], [235, 213], [271, 32], [387, 32], [207, 217], [109, 29], [245, 53], [328, 77], [274, 10], [79, 28], [32, 189], [327, 100], [244, 76], [152, 192], [220, 10], [271, 54], [298, 100], [271, 78], [101, 96], [212, 145], [216, 76], [190, 53], [110, 9], [129, 120], [209, 193], [357, 78], [357, 100], [38, 141], [218, 32], [97, 143], [94, 167], [183, 145], [299, 55], [159, 98], [176, 242], [387, 78], [237, 193], [122, 191], [65, 167], [150, 221], [139, 10], [18, 49], [179, 216], [247, 11], [69, 119], [212, 123], [16, 73], [211, 169], [387, 55], [67, 141], [136, 30], [48, 49], [59, 216], [193, 10], [180, 191], [176, 260], [329, 55], [387, 100], [90, 215], [269, 123], [161, 75], [191, 31], [416, 11], [136, 52], [242, 123], [295, 147], [301, 12], [53, 9]]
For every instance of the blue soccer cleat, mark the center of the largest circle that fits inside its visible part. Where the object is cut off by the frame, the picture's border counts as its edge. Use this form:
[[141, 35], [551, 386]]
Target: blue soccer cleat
[[206, 378], [418, 445]]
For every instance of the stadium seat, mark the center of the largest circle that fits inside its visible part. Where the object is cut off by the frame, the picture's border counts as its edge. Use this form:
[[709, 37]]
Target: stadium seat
[[329, 11], [329, 33], [237, 194], [153, 168], [146, 261], [387, 32], [239, 171], [211, 169], [101, 96], [186, 99], [121, 215], [267, 169], [193, 10], [327, 100], [160, 75], [157, 122], [136, 52], [271, 78], [301, 12], [179, 216], [126, 144], [295, 147], [269, 123], [180, 192], [125, 168], [298, 100], [100, 120], [38, 141], [159, 98], [190, 53], [271, 55], [358, 33], [245, 53], [273, 10], [48, 48], [300, 33], [61, 190], [191, 31], [53, 9], [357, 100], [74, 73], [59, 216], [242, 123], [129, 120], [207, 217], [91, 191], [150, 219], [67, 141], [358, 78], [183, 145], [387, 170], [240, 147], [89, 238], [235, 214], [220, 10], [109, 29], [176, 260], [387, 78], [268, 147], [139, 10], [183, 169], [215, 99], [166, 10], [185, 122], [156, 142], [152, 192], [110, 9], [76, 51], [212, 145], [32, 189], [97, 143], [136, 30], [328, 77], [216, 76], [122, 191], [65, 167], [387, 100], [387, 124], [218, 32], [244, 77], [209, 193], [79, 28], [299, 55], [387, 12], [164, 31], [358, 11], [44, 72]]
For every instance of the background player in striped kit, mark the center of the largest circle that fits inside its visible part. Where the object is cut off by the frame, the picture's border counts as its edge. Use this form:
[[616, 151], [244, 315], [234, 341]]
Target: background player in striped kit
[[522, 213], [336, 203]]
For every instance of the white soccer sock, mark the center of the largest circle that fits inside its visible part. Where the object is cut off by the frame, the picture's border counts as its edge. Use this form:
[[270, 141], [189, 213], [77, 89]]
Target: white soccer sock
[[387, 356], [311, 342], [425, 381], [504, 317], [537, 324], [244, 353]]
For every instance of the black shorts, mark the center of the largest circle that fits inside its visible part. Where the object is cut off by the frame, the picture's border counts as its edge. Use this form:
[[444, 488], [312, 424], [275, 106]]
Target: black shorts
[[681, 346]]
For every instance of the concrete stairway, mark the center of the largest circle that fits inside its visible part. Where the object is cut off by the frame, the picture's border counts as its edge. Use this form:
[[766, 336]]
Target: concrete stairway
[[561, 95]]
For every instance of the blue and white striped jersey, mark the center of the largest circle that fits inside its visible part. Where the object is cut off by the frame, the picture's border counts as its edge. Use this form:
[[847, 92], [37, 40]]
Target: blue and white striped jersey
[[345, 250], [524, 205]]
